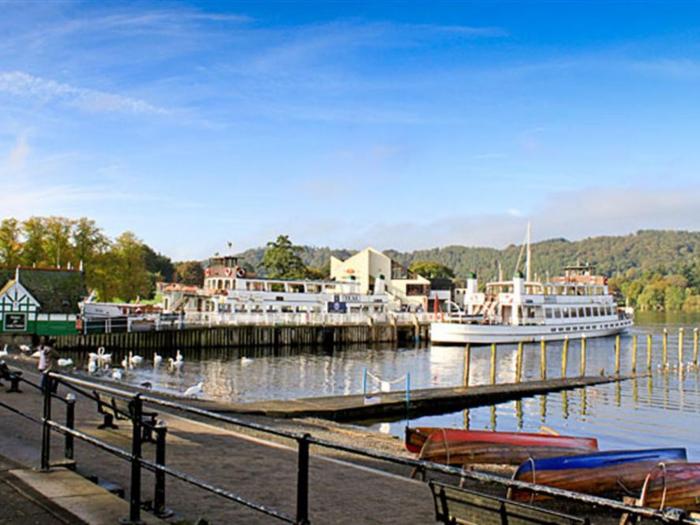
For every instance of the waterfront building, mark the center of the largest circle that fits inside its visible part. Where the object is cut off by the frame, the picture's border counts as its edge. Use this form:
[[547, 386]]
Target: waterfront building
[[375, 271], [40, 301]]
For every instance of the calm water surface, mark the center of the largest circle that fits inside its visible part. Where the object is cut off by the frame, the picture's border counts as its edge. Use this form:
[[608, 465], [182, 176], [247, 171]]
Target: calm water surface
[[663, 410]]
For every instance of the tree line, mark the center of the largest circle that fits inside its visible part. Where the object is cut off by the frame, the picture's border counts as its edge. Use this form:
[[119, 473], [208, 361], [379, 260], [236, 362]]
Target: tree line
[[119, 269], [649, 270]]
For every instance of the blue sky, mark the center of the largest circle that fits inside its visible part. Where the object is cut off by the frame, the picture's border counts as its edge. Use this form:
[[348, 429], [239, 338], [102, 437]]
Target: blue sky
[[398, 124]]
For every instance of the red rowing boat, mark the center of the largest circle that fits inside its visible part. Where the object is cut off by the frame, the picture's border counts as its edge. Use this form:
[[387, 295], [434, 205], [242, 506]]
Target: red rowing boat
[[674, 485], [460, 447]]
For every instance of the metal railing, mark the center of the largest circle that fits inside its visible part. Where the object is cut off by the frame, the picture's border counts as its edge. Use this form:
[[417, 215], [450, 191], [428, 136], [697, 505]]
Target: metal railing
[[136, 402]]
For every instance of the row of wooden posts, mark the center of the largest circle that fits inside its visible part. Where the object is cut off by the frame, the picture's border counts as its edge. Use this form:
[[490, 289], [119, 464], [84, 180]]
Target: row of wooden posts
[[582, 362]]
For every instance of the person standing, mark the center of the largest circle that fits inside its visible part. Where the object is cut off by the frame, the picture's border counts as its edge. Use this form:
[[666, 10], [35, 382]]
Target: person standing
[[48, 360]]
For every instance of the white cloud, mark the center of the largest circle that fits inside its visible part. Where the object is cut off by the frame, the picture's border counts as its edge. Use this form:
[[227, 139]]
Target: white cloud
[[22, 84], [573, 215]]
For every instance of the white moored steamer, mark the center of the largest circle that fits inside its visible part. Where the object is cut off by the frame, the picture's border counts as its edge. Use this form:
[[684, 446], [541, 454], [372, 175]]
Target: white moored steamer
[[522, 310]]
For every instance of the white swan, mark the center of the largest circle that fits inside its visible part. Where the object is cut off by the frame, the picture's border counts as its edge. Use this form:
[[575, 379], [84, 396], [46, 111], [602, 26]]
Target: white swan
[[92, 364], [65, 363], [103, 358], [246, 361], [117, 374], [157, 360], [195, 390], [135, 360], [25, 348], [4, 352]]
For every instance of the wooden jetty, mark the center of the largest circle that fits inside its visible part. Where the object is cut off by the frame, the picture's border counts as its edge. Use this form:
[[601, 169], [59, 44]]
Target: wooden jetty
[[393, 405], [232, 336]]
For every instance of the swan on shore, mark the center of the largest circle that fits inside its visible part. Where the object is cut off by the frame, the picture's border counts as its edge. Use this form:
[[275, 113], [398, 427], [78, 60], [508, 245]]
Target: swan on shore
[[195, 390]]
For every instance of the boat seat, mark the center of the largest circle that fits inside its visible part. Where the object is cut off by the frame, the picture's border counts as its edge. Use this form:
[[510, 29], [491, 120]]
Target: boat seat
[[454, 505]]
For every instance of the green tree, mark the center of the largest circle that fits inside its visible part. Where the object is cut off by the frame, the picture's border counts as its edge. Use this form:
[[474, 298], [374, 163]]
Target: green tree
[[58, 237], [189, 272], [34, 247], [282, 260], [88, 241], [431, 270], [158, 264], [128, 268], [10, 244]]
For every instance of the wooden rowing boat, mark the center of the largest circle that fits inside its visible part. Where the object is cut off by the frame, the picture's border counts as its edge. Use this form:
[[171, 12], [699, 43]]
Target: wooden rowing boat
[[601, 473], [462, 447], [674, 485]]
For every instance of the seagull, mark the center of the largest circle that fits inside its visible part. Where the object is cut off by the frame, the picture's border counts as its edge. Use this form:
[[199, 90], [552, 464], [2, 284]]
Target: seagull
[[157, 360], [65, 363], [195, 390], [4, 352], [117, 374]]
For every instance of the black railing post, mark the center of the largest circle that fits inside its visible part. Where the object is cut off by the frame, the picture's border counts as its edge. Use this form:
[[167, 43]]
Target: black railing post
[[303, 481], [136, 410], [159, 509], [46, 429], [70, 423]]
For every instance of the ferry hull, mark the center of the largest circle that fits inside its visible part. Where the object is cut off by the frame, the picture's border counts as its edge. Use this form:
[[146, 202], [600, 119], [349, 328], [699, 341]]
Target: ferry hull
[[461, 333]]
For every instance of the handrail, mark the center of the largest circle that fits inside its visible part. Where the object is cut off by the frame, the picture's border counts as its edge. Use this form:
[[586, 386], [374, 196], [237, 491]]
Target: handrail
[[416, 463], [304, 440]]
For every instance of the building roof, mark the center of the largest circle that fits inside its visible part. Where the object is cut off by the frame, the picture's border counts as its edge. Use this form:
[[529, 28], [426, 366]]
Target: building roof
[[58, 291]]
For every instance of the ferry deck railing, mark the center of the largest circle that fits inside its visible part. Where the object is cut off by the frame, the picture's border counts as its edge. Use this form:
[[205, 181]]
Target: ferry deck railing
[[304, 441]]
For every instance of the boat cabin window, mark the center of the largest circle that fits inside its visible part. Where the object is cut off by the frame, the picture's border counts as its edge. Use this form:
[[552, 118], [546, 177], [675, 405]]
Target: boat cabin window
[[589, 311], [548, 313], [581, 312], [557, 313], [566, 313]]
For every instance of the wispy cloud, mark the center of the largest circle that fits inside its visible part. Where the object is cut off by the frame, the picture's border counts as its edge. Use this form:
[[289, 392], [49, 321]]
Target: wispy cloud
[[21, 84]]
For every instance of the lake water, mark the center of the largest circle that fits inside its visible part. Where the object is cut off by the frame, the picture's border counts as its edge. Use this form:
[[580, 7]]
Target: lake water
[[663, 410]]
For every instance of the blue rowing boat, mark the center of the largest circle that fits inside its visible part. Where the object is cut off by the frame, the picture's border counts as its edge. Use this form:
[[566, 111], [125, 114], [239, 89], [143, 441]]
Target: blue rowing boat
[[611, 472]]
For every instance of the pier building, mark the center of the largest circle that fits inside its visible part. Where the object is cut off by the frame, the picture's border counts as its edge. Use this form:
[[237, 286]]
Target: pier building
[[40, 301]]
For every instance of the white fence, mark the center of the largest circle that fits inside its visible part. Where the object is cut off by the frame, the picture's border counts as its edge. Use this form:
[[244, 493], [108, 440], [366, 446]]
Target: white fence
[[300, 319]]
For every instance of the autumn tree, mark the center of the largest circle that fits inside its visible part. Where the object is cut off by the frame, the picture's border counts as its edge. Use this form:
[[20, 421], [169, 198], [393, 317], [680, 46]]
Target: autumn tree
[[10, 244], [189, 272], [58, 237], [34, 246]]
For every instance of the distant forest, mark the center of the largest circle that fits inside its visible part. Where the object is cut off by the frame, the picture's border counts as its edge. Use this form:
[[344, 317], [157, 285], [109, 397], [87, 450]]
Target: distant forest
[[650, 270]]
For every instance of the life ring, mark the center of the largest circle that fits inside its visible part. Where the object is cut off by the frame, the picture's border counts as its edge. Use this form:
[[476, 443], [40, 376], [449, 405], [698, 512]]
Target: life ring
[[228, 272], [240, 273]]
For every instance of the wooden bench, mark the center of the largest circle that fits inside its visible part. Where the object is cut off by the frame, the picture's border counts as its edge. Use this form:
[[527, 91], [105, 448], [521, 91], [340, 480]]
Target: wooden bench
[[111, 410], [454, 505]]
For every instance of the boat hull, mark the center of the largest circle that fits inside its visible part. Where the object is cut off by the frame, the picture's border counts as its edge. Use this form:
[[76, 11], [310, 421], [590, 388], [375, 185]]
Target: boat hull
[[462, 447], [682, 482], [464, 333], [602, 473]]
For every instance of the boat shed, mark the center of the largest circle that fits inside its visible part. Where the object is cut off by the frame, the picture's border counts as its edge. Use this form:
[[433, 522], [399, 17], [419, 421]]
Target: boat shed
[[40, 301]]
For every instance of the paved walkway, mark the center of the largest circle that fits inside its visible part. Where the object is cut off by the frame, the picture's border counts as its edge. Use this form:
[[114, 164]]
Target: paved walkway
[[263, 471], [21, 505]]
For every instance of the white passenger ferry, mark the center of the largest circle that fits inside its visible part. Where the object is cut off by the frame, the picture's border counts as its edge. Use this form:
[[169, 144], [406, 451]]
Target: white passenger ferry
[[229, 290], [524, 310]]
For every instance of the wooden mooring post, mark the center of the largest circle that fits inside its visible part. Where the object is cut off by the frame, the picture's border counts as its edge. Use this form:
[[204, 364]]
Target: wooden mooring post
[[564, 356], [681, 333], [664, 349], [634, 354], [695, 346], [543, 359], [649, 345], [519, 363], [467, 364], [582, 370], [493, 363], [617, 355]]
